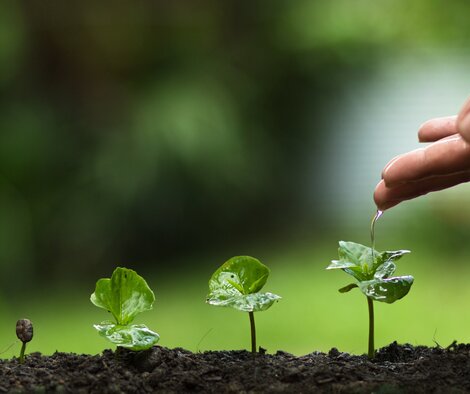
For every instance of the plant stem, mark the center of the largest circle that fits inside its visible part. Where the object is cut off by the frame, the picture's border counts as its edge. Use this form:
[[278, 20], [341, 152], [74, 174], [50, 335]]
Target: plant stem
[[253, 332], [371, 351], [23, 348]]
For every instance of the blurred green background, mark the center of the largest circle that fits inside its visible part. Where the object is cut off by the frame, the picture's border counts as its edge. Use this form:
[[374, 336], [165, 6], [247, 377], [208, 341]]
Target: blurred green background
[[169, 136]]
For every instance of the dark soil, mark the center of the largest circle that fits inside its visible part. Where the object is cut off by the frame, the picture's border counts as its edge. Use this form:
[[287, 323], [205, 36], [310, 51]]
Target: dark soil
[[396, 369]]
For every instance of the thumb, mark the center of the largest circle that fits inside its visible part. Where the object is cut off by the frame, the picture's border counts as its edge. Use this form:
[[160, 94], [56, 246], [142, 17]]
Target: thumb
[[463, 121]]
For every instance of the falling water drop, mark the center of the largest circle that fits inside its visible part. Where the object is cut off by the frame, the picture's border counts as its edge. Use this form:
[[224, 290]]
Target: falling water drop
[[376, 217]]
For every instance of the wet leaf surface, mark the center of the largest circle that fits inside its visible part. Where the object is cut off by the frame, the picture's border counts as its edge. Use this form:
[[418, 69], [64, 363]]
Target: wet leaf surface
[[237, 283], [124, 295], [256, 302], [134, 336], [387, 290], [372, 270]]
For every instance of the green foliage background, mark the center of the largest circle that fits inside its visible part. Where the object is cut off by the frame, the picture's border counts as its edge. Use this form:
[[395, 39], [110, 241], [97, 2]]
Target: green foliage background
[[170, 136]]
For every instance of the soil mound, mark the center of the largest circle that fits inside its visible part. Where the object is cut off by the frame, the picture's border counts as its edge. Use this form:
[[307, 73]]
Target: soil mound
[[396, 369]]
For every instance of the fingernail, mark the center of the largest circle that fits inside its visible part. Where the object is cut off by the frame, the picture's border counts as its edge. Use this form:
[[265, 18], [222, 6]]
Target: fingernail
[[385, 171]]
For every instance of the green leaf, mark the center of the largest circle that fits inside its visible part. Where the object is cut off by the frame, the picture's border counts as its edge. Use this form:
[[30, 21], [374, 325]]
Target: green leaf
[[347, 288], [240, 274], [236, 284], [338, 264], [373, 272], [393, 255], [134, 337], [255, 302], [354, 259], [124, 295], [387, 256], [362, 262], [385, 270], [349, 268], [357, 254], [387, 290]]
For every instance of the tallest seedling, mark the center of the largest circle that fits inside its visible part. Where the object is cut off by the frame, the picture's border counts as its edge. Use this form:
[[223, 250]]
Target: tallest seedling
[[373, 271]]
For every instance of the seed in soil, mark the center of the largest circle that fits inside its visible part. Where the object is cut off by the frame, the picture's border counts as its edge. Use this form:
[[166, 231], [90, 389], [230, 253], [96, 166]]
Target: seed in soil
[[24, 332]]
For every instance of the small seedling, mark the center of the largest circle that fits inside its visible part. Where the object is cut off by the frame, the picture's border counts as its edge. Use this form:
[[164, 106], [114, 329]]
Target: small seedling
[[125, 295], [237, 283], [24, 332], [373, 271]]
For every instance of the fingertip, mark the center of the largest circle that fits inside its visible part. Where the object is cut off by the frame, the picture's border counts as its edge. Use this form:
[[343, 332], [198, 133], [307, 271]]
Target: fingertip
[[388, 205], [377, 196], [423, 131], [463, 121], [380, 197], [437, 128], [466, 107]]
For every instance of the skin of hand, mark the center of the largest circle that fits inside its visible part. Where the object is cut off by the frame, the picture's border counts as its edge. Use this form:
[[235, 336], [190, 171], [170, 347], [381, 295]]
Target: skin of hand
[[442, 164]]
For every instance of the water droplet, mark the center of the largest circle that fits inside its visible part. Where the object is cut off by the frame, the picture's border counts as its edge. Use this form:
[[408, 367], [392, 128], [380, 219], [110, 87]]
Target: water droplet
[[376, 217]]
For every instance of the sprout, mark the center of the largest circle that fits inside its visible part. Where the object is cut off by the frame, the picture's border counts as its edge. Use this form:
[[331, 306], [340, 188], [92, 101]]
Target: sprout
[[237, 283], [373, 271], [125, 295], [24, 332]]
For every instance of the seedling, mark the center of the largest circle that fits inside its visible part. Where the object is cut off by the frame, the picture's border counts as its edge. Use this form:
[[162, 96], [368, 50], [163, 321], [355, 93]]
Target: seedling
[[237, 283], [373, 271], [125, 295], [24, 332]]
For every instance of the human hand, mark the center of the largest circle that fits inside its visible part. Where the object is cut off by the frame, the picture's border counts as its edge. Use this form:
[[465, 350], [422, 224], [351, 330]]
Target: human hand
[[440, 165]]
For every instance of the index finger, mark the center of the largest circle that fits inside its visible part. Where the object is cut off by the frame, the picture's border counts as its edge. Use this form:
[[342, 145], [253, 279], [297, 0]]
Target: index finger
[[446, 156], [387, 197]]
